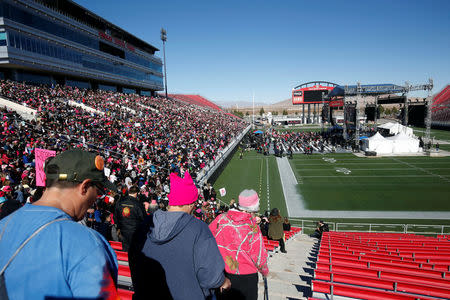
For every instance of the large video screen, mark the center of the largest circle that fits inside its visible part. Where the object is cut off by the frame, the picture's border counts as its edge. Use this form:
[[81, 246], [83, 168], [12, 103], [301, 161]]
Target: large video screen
[[314, 96]]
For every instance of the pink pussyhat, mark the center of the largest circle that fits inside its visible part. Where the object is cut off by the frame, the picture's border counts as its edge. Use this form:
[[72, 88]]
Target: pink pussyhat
[[249, 201], [182, 190]]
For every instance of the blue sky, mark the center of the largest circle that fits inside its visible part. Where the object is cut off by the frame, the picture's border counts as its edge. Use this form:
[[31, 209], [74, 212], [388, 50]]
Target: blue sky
[[225, 50]]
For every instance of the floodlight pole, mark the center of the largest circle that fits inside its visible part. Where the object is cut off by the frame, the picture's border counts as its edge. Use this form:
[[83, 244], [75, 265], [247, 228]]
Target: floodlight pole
[[405, 105], [376, 114], [322, 114], [344, 129], [358, 92], [164, 39], [253, 114], [429, 103]]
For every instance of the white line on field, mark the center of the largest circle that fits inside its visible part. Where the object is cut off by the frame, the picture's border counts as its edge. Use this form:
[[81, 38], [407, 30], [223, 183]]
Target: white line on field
[[260, 176], [367, 176], [362, 163], [422, 169]]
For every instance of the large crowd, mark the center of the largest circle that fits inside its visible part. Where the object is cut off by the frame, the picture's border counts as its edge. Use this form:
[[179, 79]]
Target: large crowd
[[142, 138], [149, 150]]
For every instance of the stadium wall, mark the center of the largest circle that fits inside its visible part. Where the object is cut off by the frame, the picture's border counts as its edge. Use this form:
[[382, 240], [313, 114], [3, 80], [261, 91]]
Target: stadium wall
[[25, 112]]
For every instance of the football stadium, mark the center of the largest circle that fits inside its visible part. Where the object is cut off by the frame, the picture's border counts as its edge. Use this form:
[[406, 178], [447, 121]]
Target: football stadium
[[341, 192]]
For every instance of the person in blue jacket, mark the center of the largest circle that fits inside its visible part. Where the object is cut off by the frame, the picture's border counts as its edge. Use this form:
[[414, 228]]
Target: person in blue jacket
[[173, 255], [44, 252]]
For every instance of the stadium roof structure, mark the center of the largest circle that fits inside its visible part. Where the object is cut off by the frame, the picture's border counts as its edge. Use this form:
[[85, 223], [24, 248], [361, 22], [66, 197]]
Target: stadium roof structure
[[377, 89], [367, 89], [77, 11], [313, 83]]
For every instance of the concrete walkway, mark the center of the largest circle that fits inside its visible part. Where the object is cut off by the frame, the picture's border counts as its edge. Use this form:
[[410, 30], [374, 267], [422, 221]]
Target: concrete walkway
[[290, 274], [294, 201], [296, 207], [26, 113]]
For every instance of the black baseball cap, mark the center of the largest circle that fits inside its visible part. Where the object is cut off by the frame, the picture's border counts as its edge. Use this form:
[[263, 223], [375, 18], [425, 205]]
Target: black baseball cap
[[78, 165]]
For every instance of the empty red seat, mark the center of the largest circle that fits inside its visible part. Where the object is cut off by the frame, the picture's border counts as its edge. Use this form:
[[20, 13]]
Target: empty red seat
[[116, 245], [406, 265], [360, 292], [124, 271], [125, 294], [123, 256]]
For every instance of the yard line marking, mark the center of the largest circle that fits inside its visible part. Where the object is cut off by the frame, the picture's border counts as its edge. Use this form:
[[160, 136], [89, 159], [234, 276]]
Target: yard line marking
[[362, 163], [299, 181], [260, 176], [380, 169], [422, 169], [364, 176], [362, 159]]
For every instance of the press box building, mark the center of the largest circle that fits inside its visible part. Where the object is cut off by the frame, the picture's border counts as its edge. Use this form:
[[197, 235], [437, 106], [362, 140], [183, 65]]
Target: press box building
[[59, 41]]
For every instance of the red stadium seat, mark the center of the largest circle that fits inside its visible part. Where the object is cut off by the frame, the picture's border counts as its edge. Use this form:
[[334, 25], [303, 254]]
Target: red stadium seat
[[116, 245], [125, 294], [122, 256], [359, 292], [385, 266], [124, 271]]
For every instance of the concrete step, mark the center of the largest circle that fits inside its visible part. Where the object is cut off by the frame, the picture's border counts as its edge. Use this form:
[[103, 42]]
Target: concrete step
[[290, 273]]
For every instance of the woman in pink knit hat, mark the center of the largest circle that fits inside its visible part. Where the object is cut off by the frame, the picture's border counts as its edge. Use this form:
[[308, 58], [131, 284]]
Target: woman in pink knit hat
[[241, 245]]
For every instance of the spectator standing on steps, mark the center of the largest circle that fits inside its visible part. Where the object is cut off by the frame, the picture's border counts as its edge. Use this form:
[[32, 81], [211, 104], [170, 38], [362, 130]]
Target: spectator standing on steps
[[241, 245], [276, 228], [173, 255], [67, 259], [286, 225], [129, 214]]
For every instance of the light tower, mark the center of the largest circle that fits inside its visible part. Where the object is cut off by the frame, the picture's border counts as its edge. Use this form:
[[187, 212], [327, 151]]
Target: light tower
[[164, 39]]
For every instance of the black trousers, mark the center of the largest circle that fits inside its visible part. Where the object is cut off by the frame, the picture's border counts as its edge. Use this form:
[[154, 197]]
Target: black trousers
[[243, 287], [282, 246]]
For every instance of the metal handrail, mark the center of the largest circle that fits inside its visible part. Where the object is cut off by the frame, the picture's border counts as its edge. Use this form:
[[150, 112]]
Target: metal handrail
[[376, 227]]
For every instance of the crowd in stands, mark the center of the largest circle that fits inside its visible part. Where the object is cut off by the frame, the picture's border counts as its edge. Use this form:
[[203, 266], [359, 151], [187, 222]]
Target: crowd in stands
[[306, 142], [142, 139]]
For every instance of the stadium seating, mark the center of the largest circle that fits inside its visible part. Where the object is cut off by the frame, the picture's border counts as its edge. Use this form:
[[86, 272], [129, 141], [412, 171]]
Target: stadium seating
[[383, 266], [272, 246], [125, 294], [441, 108], [196, 100]]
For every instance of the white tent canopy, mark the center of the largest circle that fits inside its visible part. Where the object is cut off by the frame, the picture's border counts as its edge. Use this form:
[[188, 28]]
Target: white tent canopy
[[378, 144], [400, 143], [403, 143], [396, 128]]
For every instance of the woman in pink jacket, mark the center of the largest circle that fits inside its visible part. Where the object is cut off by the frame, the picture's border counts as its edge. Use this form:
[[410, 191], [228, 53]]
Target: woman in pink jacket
[[241, 245]]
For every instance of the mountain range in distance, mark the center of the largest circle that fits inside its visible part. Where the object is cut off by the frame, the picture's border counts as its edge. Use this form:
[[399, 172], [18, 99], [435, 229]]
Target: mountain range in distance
[[249, 104]]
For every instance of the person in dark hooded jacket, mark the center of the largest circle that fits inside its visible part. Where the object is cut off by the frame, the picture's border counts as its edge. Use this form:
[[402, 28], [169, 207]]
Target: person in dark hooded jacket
[[173, 255], [129, 214]]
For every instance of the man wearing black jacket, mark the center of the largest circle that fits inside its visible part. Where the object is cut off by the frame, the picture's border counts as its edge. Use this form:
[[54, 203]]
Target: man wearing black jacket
[[128, 215]]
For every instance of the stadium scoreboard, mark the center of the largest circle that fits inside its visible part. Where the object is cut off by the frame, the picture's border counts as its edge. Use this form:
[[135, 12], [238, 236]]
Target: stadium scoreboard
[[310, 94]]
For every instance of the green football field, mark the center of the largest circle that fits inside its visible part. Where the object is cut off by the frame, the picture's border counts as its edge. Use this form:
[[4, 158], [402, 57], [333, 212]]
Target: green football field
[[443, 135], [255, 171], [344, 182], [347, 182]]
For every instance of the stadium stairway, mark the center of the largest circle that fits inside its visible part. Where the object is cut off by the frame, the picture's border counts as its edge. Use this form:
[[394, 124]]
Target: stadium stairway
[[290, 274]]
